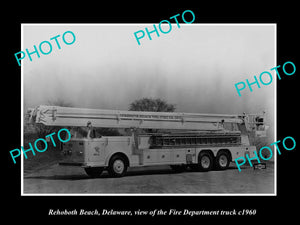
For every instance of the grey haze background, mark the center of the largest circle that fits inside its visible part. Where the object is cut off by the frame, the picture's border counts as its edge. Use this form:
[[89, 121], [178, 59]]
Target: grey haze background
[[194, 66]]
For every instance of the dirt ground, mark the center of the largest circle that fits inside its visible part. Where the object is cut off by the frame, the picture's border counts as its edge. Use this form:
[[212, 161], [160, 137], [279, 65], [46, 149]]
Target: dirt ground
[[58, 179]]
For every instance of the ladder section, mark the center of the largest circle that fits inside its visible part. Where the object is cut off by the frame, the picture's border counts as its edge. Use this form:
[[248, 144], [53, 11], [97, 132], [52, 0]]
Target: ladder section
[[78, 117], [195, 140]]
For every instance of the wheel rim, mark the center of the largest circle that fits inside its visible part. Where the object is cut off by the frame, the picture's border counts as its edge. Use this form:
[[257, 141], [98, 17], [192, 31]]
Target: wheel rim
[[205, 162], [223, 161], [118, 166]]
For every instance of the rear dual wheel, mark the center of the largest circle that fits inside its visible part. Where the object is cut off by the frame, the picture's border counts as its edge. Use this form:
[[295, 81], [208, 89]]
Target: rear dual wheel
[[222, 160], [205, 161]]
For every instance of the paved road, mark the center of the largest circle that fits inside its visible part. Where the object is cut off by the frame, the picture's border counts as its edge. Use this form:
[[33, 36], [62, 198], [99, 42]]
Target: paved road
[[70, 179]]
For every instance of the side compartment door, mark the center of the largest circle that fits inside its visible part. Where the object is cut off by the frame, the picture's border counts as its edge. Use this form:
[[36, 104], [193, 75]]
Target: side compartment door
[[165, 155], [179, 156], [150, 156]]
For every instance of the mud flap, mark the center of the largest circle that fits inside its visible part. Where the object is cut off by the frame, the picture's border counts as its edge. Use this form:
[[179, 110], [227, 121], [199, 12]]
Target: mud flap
[[189, 159]]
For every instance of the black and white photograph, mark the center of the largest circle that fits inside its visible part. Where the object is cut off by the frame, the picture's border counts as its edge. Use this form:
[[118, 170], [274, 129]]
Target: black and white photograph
[[181, 113], [132, 114]]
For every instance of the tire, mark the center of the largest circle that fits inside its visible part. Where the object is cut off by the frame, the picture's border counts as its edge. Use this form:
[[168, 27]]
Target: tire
[[178, 168], [117, 166], [205, 161], [94, 171], [222, 160]]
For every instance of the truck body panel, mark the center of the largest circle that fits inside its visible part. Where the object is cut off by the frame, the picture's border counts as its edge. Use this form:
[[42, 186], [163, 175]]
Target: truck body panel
[[98, 151]]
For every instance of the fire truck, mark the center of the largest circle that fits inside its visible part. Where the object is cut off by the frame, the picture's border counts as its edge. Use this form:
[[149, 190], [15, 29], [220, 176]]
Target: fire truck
[[181, 140]]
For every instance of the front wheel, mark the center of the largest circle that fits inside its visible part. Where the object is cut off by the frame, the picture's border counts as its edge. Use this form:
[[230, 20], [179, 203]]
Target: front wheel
[[117, 166]]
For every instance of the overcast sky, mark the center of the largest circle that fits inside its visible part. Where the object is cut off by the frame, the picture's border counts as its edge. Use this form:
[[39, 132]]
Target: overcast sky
[[194, 67]]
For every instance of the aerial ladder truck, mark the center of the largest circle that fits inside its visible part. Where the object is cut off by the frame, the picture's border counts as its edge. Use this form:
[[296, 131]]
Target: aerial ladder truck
[[181, 140]]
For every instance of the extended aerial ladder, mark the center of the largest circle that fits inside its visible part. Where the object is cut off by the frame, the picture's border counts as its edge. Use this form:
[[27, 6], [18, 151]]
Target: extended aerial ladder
[[79, 117], [197, 139]]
